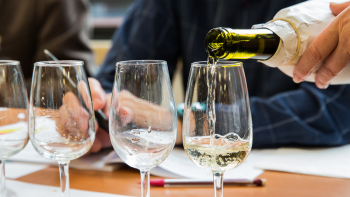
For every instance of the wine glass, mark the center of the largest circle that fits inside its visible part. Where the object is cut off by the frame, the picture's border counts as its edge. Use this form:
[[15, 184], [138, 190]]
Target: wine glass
[[13, 114], [143, 123], [62, 122], [217, 128]]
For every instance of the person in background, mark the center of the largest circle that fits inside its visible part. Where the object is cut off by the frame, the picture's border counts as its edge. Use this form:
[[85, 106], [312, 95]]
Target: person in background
[[28, 27], [284, 113], [331, 46], [60, 26]]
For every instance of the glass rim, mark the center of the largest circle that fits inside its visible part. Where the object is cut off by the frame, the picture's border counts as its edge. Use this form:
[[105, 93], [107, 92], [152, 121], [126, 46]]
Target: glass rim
[[60, 63], [222, 63], [140, 62], [9, 62]]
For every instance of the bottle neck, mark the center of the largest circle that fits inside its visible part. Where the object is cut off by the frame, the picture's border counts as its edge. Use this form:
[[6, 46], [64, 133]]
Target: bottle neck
[[226, 43]]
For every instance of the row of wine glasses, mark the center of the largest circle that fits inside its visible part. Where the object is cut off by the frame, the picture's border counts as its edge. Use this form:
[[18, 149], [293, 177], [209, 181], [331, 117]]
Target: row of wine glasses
[[143, 124]]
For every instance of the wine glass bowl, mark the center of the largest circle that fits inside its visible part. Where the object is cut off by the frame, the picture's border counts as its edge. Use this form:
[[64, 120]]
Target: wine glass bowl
[[143, 124], [217, 131], [13, 131], [13, 114], [62, 126]]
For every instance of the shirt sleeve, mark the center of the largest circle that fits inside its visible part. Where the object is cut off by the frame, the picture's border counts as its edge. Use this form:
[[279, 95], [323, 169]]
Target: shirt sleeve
[[149, 31], [63, 30], [304, 117]]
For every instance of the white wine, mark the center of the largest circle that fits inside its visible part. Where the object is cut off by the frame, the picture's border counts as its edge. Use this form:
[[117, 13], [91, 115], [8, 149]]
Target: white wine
[[215, 152], [222, 153], [142, 148], [211, 83]]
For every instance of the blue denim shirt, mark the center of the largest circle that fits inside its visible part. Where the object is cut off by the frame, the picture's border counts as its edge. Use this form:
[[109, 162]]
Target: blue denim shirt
[[284, 113]]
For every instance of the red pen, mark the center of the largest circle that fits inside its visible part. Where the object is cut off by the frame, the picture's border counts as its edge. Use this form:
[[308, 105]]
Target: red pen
[[204, 183]]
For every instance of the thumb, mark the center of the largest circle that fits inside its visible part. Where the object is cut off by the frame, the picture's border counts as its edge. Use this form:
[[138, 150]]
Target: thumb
[[339, 7], [125, 115], [97, 93]]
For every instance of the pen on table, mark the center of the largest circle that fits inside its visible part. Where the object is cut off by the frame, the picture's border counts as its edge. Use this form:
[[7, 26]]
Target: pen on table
[[99, 115], [204, 183]]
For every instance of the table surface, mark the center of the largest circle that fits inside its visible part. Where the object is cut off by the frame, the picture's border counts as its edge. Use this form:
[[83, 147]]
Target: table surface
[[125, 180]]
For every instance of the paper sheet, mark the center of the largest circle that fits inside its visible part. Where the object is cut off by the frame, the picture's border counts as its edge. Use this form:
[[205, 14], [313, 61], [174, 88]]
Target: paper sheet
[[178, 165], [90, 162], [27, 189], [29, 154], [329, 162], [14, 170]]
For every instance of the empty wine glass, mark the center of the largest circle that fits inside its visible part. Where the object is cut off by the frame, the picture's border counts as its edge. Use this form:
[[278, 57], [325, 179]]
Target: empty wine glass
[[143, 123], [217, 130], [13, 115], [62, 122]]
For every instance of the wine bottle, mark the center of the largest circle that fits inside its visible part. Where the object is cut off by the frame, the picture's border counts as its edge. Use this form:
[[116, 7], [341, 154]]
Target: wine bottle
[[227, 43], [280, 42]]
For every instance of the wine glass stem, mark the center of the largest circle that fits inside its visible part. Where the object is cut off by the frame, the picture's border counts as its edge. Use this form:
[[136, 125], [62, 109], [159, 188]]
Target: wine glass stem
[[2, 178], [145, 183], [218, 184], [64, 178]]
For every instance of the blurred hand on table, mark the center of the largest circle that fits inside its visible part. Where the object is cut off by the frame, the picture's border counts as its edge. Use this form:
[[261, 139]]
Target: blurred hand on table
[[74, 118], [101, 101], [131, 109]]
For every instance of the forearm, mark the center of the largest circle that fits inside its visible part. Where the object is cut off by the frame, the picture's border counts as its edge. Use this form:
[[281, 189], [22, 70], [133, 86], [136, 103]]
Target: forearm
[[179, 132]]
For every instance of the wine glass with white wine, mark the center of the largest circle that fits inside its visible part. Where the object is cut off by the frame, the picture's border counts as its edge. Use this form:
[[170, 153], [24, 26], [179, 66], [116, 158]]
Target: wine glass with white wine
[[13, 115], [62, 122], [217, 128], [143, 124]]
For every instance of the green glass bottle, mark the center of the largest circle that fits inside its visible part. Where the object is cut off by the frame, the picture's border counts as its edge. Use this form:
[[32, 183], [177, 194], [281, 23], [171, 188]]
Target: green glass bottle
[[227, 43]]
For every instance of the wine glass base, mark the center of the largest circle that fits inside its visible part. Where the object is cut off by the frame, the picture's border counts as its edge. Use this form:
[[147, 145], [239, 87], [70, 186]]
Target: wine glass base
[[10, 193]]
